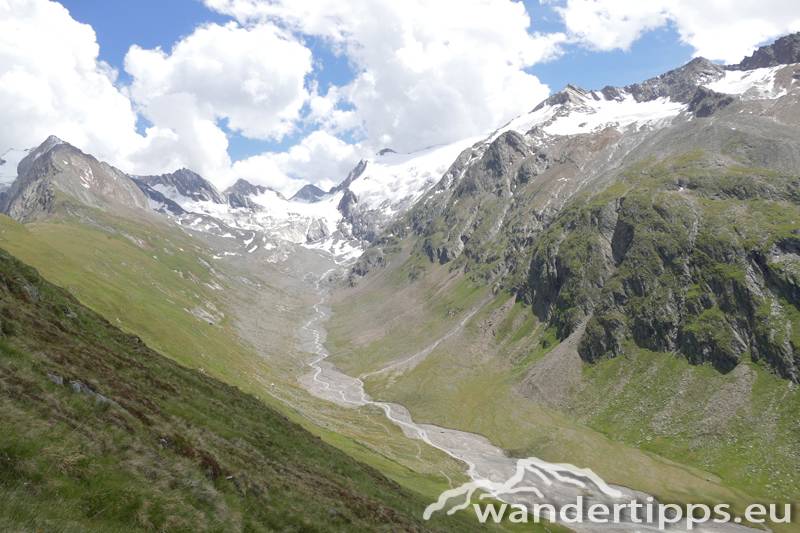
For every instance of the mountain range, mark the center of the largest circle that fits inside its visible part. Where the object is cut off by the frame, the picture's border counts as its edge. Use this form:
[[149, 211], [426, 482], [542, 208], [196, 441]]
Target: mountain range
[[608, 280]]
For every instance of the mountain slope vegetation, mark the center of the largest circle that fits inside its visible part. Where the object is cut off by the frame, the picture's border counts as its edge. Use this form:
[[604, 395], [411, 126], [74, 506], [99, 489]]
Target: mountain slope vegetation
[[101, 433], [628, 289]]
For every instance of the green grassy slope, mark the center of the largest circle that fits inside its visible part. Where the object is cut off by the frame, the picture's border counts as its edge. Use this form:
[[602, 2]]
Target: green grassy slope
[[174, 450], [147, 277], [107, 262], [681, 424]]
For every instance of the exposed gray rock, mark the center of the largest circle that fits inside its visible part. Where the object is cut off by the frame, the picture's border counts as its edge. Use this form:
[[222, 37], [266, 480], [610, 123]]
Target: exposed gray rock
[[238, 194], [188, 184], [309, 193], [680, 84], [784, 51], [571, 93], [30, 291], [317, 231], [81, 388], [705, 102], [159, 202], [57, 167], [351, 176], [243, 187]]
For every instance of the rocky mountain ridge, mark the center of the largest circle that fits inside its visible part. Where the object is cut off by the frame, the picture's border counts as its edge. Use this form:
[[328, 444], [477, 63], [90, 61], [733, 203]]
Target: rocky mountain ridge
[[552, 205], [351, 215], [308, 193], [252, 218], [58, 169]]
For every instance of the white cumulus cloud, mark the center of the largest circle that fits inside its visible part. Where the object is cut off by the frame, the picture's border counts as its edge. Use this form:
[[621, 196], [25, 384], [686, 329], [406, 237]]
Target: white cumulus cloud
[[320, 158], [254, 77], [51, 82], [424, 72], [719, 30], [427, 72]]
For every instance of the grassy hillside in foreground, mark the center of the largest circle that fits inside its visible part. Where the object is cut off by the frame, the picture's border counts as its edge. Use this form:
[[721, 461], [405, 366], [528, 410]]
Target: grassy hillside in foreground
[[108, 263], [165, 448], [148, 278]]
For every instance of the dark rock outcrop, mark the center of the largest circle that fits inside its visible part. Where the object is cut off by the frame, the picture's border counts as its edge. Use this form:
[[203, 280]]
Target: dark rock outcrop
[[308, 193], [679, 84], [706, 102], [784, 51], [238, 194]]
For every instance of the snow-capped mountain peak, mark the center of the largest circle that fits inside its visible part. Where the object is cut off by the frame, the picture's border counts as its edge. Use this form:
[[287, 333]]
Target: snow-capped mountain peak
[[379, 189], [309, 193]]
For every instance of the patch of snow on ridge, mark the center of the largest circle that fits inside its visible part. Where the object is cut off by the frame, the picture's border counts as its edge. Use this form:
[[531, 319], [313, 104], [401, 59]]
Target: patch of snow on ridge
[[342, 251], [394, 179], [279, 208], [190, 205], [592, 115], [595, 115], [48, 145], [750, 84]]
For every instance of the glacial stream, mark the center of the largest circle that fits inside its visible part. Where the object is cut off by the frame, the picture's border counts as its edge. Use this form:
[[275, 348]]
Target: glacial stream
[[521, 482]]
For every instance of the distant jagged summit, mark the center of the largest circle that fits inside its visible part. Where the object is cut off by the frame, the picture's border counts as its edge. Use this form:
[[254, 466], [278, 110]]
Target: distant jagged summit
[[56, 168], [185, 191], [187, 184], [681, 84], [309, 193], [239, 194], [245, 188], [784, 51]]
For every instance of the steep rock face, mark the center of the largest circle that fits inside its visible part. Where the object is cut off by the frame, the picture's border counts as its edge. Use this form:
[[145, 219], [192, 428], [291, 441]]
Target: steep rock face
[[705, 102], [573, 94], [158, 201], [184, 183], [308, 193], [688, 258], [238, 194], [680, 84], [480, 200], [784, 51], [245, 188], [353, 175], [57, 168], [378, 191], [663, 231]]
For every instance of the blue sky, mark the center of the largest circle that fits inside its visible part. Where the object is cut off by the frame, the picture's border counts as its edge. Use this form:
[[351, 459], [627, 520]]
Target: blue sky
[[288, 92], [155, 23]]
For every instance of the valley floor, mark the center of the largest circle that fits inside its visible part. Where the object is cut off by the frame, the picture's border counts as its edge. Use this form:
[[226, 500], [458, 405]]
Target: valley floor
[[271, 338]]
